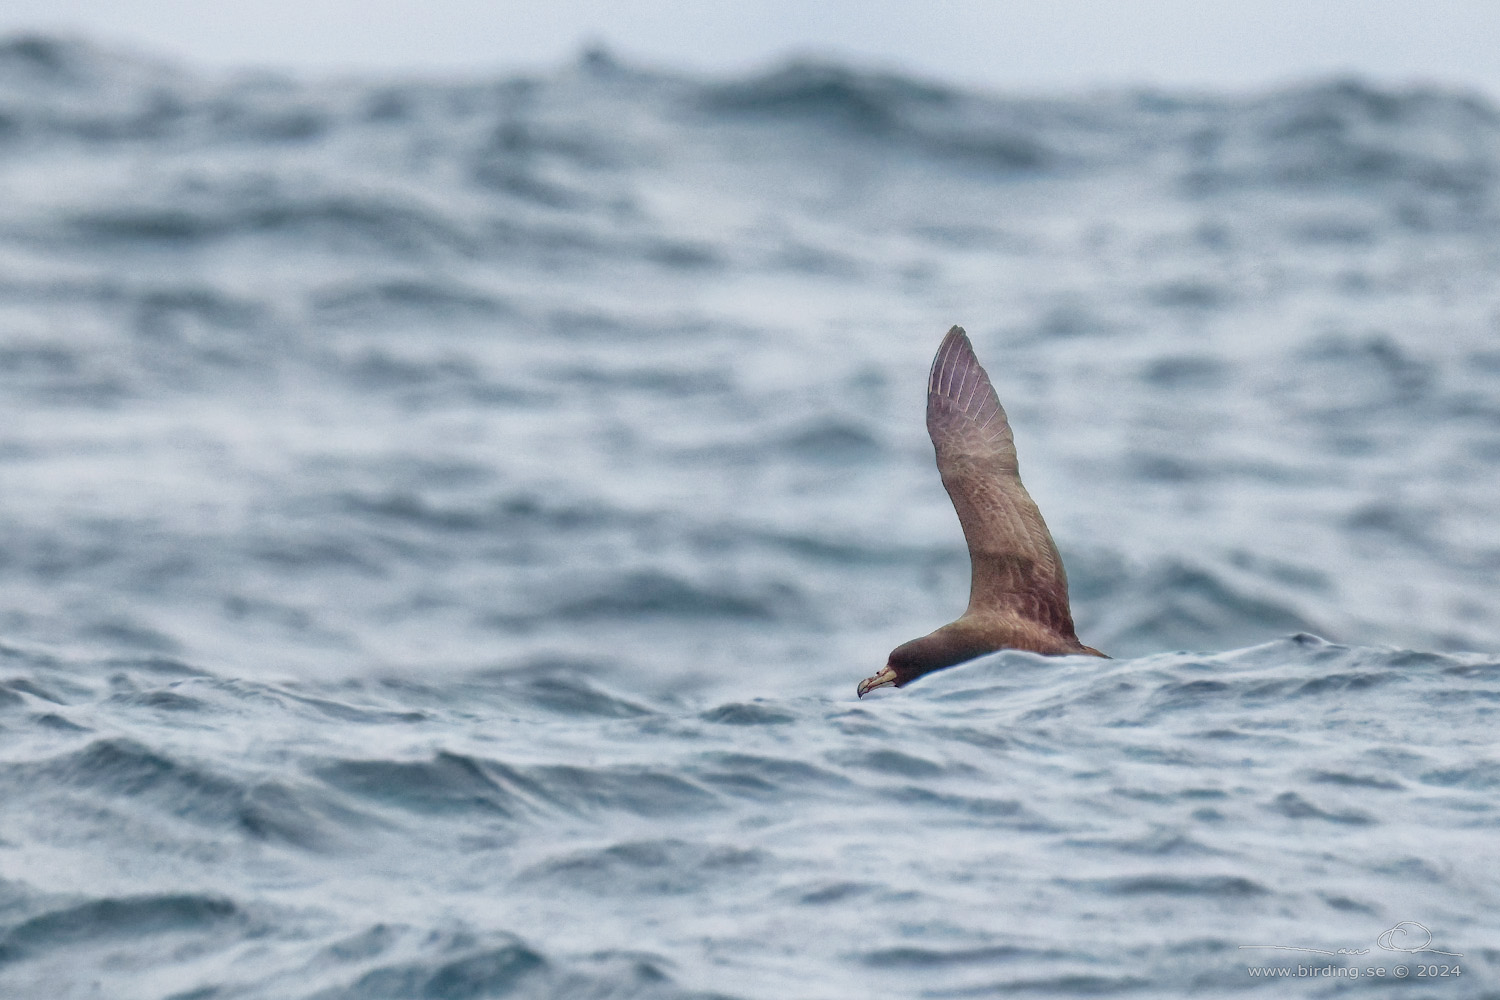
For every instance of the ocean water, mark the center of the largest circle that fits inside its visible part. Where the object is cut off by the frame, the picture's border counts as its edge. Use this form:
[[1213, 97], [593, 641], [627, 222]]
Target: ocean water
[[443, 521]]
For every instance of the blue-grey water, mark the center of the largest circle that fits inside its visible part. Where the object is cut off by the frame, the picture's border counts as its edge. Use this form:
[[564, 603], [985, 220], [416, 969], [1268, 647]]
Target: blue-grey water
[[443, 521]]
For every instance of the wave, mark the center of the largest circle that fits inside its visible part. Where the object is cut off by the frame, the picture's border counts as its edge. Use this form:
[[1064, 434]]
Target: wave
[[650, 593], [1338, 131], [373, 222], [542, 789], [657, 867], [935, 120], [115, 919], [1350, 132], [391, 962], [136, 782]]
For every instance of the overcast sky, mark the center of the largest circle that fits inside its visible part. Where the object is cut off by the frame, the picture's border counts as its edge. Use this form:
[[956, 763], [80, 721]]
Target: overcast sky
[[1003, 44]]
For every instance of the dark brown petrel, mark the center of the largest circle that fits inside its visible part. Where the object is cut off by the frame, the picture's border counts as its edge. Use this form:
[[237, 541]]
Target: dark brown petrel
[[1018, 595]]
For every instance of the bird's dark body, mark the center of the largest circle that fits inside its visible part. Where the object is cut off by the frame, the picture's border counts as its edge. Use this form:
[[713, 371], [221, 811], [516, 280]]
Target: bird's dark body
[[1018, 595]]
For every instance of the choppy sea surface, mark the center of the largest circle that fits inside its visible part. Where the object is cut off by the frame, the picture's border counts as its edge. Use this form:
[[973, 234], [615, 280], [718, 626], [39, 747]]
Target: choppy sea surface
[[442, 523]]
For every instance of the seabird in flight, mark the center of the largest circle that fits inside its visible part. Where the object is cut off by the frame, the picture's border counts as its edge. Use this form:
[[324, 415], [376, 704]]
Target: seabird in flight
[[1018, 595]]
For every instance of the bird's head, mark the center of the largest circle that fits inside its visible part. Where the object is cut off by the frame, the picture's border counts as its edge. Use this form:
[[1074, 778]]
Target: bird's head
[[911, 660]]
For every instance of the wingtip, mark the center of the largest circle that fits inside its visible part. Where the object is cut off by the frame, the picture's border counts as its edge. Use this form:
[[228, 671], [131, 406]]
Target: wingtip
[[955, 337], [953, 357]]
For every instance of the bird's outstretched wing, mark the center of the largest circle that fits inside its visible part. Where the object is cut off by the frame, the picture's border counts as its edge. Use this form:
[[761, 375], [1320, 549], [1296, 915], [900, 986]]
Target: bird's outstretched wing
[[1016, 568]]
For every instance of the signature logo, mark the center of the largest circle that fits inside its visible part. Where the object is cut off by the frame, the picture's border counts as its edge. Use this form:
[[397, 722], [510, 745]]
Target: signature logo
[[1408, 937]]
